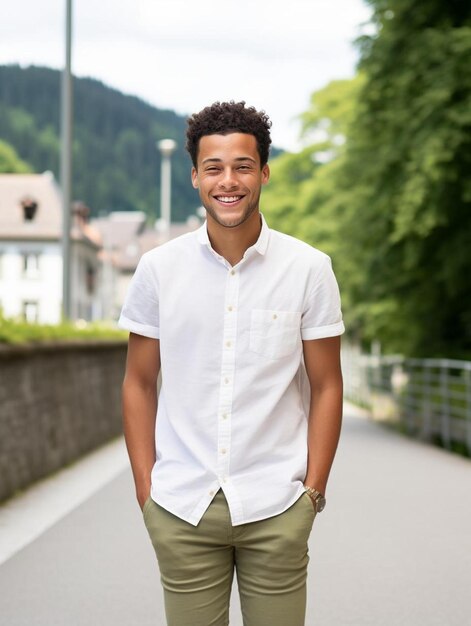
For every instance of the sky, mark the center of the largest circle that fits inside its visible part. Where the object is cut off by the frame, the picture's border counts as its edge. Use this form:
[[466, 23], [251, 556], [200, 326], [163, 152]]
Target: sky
[[183, 54]]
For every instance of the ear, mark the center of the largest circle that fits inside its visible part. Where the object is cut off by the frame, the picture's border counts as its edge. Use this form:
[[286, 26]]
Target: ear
[[265, 174], [194, 178]]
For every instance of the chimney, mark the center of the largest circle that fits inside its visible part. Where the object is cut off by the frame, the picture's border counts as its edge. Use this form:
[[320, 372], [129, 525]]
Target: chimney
[[30, 207], [81, 213]]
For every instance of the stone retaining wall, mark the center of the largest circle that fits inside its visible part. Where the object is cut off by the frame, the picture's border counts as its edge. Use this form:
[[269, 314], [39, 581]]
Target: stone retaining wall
[[57, 402]]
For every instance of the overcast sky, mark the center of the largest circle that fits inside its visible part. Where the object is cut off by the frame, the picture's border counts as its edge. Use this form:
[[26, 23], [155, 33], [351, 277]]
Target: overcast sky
[[184, 54]]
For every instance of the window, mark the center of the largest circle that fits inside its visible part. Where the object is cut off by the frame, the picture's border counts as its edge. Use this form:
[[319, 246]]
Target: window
[[31, 264], [90, 279], [30, 311]]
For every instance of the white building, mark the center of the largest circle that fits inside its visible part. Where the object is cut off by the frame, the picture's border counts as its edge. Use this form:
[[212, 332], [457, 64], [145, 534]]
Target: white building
[[31, 253], [125, 238]]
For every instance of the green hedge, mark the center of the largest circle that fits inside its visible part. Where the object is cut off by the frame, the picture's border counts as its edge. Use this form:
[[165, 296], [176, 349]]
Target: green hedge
[[16, 331]]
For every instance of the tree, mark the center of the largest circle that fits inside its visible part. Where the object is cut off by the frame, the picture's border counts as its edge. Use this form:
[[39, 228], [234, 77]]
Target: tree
[[10, 162], [391, 203], [408, 160], [301, 182], [305, 196]]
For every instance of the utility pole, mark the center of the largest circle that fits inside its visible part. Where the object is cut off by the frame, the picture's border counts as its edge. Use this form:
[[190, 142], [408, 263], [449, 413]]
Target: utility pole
[[166, 147], [66, 162]]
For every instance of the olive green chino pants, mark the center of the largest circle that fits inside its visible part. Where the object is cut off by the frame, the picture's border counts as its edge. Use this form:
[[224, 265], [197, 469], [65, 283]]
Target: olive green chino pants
[[197, 564]]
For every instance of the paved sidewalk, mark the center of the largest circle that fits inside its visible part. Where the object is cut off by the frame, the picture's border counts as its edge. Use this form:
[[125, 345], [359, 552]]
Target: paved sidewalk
[[393, 547], [55, 496]]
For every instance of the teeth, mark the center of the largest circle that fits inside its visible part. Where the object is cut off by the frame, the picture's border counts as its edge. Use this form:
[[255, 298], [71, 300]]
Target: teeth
[[228, 198]]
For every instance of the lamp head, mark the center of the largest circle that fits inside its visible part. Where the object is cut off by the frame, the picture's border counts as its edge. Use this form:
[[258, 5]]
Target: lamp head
[[166, 146]]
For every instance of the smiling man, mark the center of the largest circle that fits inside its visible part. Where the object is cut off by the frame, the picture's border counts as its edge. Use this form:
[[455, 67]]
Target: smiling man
[[239, 150], [231, 461]]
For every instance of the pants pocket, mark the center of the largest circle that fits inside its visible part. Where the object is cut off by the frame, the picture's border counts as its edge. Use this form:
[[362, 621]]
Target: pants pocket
[[310, 502], [146, 506]]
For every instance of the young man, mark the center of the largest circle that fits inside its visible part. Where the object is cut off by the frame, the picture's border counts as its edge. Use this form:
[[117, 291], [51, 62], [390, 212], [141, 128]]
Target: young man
[[244, 323]]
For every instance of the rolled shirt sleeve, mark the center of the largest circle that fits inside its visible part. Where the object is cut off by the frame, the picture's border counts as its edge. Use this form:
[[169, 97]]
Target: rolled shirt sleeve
[[322, 316], [140, 312]]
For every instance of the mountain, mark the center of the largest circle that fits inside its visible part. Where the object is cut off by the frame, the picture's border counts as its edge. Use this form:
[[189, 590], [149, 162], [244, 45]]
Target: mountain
[[116, 165]]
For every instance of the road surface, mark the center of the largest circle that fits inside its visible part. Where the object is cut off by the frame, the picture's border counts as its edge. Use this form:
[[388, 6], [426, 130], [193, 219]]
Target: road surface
[[392, 548]]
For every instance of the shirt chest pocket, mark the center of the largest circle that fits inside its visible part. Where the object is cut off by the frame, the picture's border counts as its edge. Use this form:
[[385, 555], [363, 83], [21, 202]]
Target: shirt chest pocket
[[275, 334]]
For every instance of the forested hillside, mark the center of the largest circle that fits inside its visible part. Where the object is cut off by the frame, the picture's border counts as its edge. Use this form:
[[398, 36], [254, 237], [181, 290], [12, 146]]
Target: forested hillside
[[116, 163]]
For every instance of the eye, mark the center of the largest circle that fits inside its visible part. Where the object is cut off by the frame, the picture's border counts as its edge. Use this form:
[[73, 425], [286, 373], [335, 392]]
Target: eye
[[244, 167]]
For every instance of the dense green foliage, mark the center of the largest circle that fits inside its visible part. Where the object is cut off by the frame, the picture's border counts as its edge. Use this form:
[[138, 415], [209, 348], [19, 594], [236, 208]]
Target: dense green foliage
[[10, 162], [305, 196], [116, 162], [303, 190], [409, 155], [19, 331], [393, 204]]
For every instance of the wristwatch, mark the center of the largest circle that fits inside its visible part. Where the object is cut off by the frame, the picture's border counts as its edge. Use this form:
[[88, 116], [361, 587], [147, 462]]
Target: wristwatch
[[316, 496]]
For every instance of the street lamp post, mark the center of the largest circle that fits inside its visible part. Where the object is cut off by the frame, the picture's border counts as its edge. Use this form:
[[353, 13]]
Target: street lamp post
[[66, 161], [166, 148]]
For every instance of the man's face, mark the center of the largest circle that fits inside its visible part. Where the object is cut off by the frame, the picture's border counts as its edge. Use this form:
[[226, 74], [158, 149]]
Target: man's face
[[229, 177]]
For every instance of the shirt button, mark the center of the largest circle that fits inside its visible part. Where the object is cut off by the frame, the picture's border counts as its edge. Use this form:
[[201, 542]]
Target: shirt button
[[228, 344], [223, 450], [224, 416], [275, 316], [230, 308], [211, 493], [232, 272], [226, 380]]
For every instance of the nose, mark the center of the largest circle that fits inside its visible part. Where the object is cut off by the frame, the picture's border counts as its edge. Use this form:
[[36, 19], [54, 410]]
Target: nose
[[228, 180]]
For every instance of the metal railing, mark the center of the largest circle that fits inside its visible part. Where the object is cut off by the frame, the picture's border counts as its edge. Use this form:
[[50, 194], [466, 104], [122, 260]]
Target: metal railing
[[429, 398]]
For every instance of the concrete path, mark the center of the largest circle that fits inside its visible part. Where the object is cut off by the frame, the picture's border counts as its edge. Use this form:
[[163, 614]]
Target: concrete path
[[392, 548], [55, 496]]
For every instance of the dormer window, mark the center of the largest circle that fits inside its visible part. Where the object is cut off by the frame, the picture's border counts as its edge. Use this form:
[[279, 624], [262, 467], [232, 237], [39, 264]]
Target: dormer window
[[30, 208]]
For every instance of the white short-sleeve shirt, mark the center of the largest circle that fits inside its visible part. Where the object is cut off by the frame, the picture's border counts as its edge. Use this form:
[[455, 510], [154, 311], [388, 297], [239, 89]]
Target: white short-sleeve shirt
[[232, 409]]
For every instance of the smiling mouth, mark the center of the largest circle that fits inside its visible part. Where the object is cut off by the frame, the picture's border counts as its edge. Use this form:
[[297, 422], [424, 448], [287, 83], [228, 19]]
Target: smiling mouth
[[228, 200]]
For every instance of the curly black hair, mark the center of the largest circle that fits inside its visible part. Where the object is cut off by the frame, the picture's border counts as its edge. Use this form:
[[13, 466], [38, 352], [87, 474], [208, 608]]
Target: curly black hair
[[222, 118]]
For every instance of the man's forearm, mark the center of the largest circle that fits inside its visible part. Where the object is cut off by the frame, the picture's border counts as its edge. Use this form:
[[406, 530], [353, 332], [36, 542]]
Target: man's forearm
[[139, 411], [324, 426]]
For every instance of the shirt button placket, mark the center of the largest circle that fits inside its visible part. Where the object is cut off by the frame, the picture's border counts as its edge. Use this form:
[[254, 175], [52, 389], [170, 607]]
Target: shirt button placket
[[227, 374]]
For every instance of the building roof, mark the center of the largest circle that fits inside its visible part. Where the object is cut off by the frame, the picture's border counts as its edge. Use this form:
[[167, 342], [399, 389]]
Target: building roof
[[40, 190], [126, 237], [119, 227]]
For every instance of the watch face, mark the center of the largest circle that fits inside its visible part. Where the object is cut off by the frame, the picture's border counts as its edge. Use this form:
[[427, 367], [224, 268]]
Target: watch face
[[320, 503]]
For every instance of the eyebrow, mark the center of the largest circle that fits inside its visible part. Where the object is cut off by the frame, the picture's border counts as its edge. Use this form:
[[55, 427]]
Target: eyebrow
[[216, 160]]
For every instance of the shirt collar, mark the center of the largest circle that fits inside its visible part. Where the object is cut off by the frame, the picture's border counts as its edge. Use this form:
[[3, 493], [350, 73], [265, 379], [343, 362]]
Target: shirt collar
[[260, 245]]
